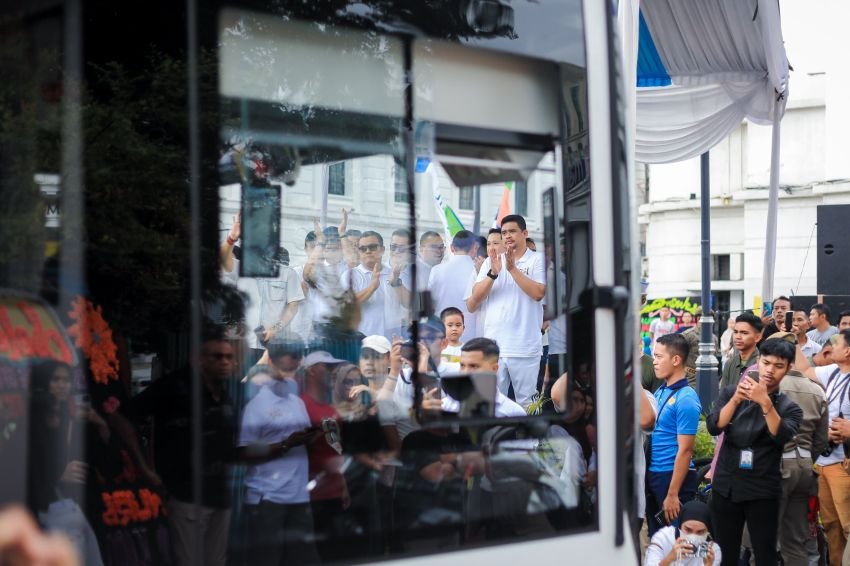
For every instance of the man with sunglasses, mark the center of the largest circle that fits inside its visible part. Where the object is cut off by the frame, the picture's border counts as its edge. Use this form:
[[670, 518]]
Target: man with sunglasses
[[376, 288]]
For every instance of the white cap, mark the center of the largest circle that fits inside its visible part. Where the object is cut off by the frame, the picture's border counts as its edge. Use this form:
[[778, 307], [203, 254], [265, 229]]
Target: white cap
[[378, 343], [320, 357]]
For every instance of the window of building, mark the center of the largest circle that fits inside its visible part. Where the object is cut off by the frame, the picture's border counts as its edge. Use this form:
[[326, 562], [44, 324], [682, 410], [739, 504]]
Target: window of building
[[721, 267], [466, 198], [336, 179], [400, 183]]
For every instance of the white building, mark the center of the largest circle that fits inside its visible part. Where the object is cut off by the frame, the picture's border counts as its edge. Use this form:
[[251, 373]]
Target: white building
[[814, 170]]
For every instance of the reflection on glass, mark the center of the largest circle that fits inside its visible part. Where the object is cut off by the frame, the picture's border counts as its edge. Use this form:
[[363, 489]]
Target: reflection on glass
[[364, 392]]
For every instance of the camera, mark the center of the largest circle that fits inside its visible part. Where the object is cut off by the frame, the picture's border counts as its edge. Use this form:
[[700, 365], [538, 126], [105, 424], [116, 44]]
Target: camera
[[701, 549]]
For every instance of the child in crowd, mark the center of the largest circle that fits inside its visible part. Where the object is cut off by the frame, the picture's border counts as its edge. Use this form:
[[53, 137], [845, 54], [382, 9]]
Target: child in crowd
[[452, 319]]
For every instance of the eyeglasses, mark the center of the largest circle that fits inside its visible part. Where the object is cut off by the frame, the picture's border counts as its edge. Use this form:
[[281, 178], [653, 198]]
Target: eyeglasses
[[400, 248], [436, 247], [369, 248]]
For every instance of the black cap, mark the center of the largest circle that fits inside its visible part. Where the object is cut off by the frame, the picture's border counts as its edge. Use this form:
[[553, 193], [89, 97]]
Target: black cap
[[696, 511]]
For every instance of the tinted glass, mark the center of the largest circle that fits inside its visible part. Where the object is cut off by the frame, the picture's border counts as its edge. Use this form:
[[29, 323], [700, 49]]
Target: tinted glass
[[329, 412]]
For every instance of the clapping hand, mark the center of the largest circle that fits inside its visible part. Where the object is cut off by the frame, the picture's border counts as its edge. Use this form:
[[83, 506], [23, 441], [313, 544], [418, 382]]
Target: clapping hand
[[495, 262], [510, 261]]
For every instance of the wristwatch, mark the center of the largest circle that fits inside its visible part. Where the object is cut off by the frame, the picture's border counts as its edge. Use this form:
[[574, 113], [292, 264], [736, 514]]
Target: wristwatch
[[492, 275]]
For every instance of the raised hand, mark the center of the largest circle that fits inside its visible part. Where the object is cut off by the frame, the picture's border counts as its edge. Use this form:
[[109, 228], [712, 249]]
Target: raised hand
[[235, 228], [495, 262], [510, 261]]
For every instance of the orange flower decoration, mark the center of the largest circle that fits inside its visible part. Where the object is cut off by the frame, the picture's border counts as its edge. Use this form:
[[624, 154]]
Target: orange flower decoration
[[91, 333]]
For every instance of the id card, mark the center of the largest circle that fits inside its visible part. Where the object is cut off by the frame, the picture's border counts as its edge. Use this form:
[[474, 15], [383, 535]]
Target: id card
[[746, 460]]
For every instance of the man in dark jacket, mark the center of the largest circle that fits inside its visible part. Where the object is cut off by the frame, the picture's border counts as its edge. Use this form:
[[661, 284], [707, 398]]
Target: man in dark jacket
[[757, 420]]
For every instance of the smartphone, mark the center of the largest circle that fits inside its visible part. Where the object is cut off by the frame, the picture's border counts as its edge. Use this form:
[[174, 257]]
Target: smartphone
[[754, 375], [661, 518], [789, 321]]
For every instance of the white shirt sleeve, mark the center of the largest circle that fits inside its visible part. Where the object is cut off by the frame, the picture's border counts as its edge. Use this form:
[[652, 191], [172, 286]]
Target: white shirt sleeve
[[824, 372], [660, 546]]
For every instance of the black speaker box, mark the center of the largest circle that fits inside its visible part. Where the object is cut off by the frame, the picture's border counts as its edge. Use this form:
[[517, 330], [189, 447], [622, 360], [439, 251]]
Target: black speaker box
[[834, 249]]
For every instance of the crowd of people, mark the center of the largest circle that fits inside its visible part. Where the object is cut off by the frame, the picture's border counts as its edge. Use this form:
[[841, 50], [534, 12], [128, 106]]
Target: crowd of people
[[782, 453], [331, 447]]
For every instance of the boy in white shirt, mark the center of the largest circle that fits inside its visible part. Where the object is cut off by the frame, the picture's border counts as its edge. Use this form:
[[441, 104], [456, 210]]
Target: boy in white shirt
[[454, 322]]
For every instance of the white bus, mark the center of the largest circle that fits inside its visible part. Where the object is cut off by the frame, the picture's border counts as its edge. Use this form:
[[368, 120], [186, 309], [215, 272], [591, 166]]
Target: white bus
[[274, 181]]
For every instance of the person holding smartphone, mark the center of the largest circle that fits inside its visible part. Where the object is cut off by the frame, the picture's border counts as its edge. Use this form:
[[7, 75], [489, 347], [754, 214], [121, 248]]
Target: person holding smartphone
[[757, 420]]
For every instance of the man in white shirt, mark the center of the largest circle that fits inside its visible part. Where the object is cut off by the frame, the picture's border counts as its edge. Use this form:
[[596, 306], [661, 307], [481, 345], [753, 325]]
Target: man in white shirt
[[275, 427], [377, 288], [821, 327], [833, 477], [481, 355], [800, 329], [449, 280], [514, 285], [431, 252]]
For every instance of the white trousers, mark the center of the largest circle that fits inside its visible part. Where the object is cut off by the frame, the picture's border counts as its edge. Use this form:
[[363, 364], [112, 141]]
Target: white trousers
[[522, 374]]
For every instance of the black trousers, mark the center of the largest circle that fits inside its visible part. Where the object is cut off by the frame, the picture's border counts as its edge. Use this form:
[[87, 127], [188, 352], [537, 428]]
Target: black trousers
[[762, 519]]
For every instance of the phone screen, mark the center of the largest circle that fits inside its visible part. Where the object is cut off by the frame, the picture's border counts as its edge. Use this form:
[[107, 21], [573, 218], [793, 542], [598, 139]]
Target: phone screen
[[789, 321]]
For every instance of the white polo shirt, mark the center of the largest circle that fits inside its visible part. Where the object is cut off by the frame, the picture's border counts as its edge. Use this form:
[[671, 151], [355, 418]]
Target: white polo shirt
[[838, 397], [513, 318], [448, 284], [382, 313]]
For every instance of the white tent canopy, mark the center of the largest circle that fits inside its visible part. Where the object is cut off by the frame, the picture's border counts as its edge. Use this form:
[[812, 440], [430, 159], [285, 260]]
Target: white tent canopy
[[695, 70]]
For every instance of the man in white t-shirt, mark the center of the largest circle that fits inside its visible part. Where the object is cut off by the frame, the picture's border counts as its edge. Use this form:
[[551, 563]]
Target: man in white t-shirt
[[514, 285], [481, 355], [432, 249], [661, 326], [275, 428], [833, 477], [377, 288], [449, 280]]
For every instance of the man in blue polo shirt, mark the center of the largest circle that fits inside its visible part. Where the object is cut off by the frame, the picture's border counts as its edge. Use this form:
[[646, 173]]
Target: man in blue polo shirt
[[672, 479]]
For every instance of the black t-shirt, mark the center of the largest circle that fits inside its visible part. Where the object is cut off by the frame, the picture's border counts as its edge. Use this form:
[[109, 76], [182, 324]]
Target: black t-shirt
[[169, 402], [748, 431]]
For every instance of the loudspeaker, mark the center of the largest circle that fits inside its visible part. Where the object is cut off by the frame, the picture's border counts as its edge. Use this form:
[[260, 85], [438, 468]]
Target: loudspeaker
[[833, 249]]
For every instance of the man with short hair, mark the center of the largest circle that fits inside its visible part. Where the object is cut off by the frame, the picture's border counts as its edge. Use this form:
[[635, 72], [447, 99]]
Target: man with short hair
[[821, 327], [781, 305], [375, 288], [449, 280], [431, 252], [672, 478], [514, 285], [747, 334], [834, 477], [757, 420], [800, 329], [844, 320], [481, 355]]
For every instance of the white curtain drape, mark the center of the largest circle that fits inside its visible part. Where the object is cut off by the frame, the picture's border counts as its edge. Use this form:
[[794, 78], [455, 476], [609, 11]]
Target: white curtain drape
[[727, 62]]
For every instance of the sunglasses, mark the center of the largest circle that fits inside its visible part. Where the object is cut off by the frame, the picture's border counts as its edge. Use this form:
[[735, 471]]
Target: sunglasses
[[369, 248]]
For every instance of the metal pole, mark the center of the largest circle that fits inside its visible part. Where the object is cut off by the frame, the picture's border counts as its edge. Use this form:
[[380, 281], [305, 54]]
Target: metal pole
[[772, 211], [707, 361]]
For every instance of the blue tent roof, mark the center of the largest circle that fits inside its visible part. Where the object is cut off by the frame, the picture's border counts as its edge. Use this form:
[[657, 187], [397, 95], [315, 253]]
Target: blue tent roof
[[650, 69]]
